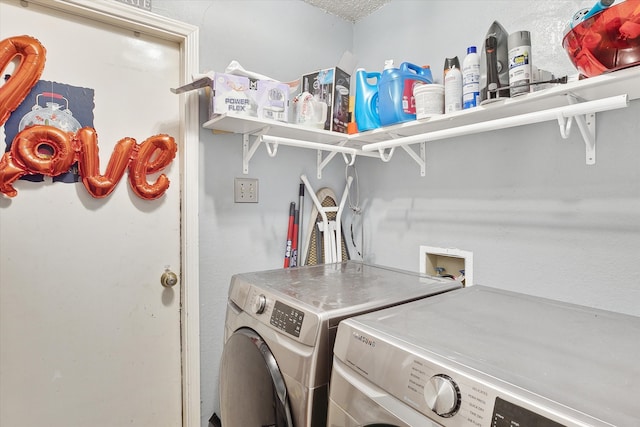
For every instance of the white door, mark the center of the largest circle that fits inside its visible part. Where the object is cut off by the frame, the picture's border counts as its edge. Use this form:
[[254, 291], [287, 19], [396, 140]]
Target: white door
[[88, 335]]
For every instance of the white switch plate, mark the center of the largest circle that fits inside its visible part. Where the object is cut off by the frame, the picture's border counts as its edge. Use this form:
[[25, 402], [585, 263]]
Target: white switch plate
[[245, 190]]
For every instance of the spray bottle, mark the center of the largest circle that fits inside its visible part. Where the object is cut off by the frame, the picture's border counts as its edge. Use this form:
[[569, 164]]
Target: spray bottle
[[452, 85]]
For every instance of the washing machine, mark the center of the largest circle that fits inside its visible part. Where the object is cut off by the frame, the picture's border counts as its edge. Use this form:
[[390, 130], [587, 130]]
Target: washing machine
[[485, 357], [279, 333]]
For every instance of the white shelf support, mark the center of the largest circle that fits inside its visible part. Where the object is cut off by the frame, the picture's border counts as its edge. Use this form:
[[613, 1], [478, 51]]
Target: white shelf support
[[349, 159], [321, 163], [582, 112], [420, 159], [565, 126], [587, 126], [386, 154], [248, 151], [272, 148]]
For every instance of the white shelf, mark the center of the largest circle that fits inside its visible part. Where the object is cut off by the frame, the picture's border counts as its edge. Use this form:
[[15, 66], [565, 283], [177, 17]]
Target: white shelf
[[601, 93]]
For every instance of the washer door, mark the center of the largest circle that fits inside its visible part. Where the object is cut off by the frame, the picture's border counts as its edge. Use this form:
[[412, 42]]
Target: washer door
[[252, 390]]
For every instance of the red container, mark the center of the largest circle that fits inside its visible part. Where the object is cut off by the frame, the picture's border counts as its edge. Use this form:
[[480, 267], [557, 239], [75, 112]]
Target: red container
[[608, 41]]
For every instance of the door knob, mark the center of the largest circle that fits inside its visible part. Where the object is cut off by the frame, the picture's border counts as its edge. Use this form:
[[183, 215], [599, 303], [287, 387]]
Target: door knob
[[169, 279]]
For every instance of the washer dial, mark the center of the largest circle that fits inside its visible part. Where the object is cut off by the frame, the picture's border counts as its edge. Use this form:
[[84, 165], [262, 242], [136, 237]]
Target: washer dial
[[442, 395]]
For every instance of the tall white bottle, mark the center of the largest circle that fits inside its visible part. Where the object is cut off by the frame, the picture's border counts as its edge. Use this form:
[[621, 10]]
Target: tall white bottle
[[452, 85], [471, 79]]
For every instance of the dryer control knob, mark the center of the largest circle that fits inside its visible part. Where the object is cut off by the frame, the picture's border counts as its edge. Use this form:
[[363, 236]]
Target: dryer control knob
[[442, 395], [260, 304]]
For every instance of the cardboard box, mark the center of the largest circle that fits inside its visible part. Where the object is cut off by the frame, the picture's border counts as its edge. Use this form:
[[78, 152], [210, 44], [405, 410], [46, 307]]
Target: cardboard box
[[330, 86], [242, 96], [232, 95], [273, 100]]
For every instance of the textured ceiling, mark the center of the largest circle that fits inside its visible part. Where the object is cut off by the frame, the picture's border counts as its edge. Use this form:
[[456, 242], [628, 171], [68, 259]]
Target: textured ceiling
[[349, 10]]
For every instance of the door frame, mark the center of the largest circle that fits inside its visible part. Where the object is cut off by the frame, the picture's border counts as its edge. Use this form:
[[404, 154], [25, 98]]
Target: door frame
[[187, 37]]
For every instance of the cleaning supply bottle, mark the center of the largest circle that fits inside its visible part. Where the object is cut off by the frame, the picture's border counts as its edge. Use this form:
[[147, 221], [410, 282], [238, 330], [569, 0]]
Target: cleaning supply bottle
[[408, 98], [471, 79], [452, 85], [520, 73], [395, 91], [366, 100]]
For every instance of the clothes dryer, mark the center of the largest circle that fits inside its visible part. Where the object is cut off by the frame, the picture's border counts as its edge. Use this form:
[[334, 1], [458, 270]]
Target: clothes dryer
[[485, 357], [279, 333]]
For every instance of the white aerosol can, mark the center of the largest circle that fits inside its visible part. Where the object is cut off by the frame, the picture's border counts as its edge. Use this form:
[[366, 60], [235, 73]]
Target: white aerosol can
[[520, 72], [452, 85]]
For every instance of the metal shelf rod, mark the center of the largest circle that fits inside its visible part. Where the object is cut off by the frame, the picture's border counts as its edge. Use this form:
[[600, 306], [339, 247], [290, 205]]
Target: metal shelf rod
[[308, 144]]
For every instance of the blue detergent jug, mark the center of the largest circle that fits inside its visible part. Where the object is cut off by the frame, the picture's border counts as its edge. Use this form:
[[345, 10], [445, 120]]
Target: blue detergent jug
[[366, 100], [395, 91]]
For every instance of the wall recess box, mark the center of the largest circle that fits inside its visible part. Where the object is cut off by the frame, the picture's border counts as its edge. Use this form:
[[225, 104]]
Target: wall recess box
[[450, 259]]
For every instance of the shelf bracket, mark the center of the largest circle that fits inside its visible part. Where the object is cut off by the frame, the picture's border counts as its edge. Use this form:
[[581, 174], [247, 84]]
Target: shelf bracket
[[419, 158], [565, 125], [385, 155], [321, 163], [587, 126], [248, 150], [349, 158], [272, 148]]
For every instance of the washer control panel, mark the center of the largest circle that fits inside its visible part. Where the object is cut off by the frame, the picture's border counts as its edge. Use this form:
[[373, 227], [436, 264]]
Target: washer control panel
[[445, 392]]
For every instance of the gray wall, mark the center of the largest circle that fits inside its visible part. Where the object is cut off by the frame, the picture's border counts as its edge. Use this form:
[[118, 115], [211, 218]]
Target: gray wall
[[537, 219], [283, 40]]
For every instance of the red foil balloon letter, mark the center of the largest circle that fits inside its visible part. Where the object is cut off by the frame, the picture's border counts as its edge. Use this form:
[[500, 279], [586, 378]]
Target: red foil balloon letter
[[36, 150], [155, 153], [32, 57], [51, 151], [97, 185]]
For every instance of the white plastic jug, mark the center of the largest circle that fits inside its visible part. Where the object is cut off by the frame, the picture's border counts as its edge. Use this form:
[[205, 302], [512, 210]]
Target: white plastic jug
[[309, 111]]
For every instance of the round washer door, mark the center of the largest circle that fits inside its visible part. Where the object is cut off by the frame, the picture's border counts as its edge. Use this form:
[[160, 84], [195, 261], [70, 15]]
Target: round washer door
[[252, 390]]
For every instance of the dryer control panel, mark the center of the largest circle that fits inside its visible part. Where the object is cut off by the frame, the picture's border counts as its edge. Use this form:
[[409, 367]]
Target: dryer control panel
[[287, 318]]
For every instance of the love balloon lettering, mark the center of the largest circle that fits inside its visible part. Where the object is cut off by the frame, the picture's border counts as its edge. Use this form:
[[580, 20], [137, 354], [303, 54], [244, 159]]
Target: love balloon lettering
[[51, 151]]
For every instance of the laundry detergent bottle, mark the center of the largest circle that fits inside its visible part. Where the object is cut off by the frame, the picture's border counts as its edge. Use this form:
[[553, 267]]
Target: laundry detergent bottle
[[366, 100], [396, 103]]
